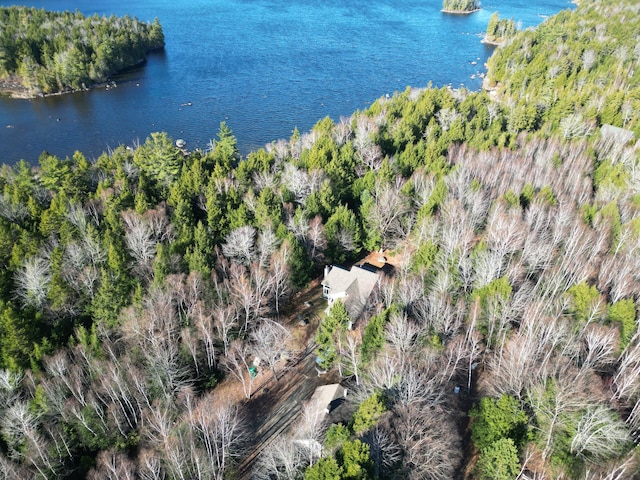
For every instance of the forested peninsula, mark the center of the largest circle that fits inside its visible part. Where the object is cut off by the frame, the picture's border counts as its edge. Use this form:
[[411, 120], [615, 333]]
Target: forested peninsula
[[43, 52], [161, 310], [499, 30]]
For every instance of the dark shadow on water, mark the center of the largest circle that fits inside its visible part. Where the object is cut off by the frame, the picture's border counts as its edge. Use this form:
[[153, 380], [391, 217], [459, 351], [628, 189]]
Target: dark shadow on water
[[159, 54]]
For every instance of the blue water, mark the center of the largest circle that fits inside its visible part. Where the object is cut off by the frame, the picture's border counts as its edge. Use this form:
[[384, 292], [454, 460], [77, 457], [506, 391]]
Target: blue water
[[263, 66]]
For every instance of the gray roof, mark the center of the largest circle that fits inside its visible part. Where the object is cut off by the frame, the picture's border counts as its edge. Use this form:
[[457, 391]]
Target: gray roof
[[338, 279], [324, 395], [354, 285]]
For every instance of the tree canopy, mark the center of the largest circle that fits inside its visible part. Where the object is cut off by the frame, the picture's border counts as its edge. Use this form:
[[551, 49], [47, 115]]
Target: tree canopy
[[52, 52], [135, 288]]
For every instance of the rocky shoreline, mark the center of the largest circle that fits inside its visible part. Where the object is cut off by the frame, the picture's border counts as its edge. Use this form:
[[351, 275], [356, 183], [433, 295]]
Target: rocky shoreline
[[13, 87], [495, 43], [460, 12]]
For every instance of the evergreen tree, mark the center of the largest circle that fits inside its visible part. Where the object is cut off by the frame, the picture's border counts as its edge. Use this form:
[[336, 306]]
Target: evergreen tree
[[336, 321]]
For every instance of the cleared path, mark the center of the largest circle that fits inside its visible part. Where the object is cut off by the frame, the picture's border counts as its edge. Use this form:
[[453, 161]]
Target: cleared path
[[276, 405]]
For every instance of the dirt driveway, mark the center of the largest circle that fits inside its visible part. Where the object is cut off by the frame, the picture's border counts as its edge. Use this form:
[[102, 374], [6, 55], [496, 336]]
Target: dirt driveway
[[275, 406]]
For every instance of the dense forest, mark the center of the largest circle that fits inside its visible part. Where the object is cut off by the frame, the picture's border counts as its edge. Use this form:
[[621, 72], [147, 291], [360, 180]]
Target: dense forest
[[499, 30], [50, 52], [505, 343], [574, 72]]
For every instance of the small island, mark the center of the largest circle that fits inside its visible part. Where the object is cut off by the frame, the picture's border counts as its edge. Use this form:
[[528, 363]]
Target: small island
[[460, 7], [499, 30], [46, 53]]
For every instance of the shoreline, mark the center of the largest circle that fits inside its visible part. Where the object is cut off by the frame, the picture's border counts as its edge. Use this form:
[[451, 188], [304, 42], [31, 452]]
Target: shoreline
[[12, 87], [494, 43], [20, 92], [460, 12]]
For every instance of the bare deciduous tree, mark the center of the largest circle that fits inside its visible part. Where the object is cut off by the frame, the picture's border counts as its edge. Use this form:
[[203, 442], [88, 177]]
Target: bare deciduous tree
[[366, 128], [9, 388], [599, 348], [113, 466], [420, 382], [32, 282], [600, 435], [551, 404], [279, 273], [280, 460], [505, 231], [58, 366], [588, 58], [280, 149], [156, 332], [370, 154], [309, 433], [10, 470], [619, 469], [446, 117], [383, 450], [437, 312], [627, 380], [342, 131], [143, 233], [266, 245], [456, 231], [408, 290], [239, 245], [11, 210], [297, 181], [20, 430], [204, 324], [237, 363], [400, 333], [383, 373], [388, 210], [316, 239], [150, 466], [269, 343], [249, 292], [349, 354], [575, 126], [225, 320], [286, 456], [187, 292], [429, 441], [219, 433]]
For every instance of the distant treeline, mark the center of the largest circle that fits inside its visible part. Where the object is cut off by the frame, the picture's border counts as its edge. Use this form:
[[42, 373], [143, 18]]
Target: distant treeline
[[52, 51], [461, 6]]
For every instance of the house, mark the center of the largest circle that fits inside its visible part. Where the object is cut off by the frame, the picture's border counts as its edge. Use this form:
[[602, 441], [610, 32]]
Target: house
[[352, 286]]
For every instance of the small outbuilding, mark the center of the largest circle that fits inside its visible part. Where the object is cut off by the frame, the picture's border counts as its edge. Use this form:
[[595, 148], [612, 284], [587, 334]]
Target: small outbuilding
[[327, 397]]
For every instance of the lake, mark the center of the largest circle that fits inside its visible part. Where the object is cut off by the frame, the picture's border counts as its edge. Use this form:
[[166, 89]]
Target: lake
[[263, 66]]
